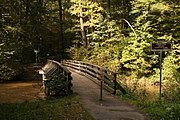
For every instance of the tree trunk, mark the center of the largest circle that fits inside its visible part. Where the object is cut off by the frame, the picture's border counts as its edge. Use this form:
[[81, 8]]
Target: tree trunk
[[126, 9], [84, 40], [20, 18], [123, 14], [0, 18], [61, 39], [27, 10], [20, 13]]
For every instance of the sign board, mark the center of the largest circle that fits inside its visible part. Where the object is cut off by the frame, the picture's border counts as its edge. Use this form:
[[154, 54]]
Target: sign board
[[161, 46]]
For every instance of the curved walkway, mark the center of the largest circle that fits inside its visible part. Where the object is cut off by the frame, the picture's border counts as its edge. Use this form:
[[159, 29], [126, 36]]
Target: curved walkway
[[110, 108]]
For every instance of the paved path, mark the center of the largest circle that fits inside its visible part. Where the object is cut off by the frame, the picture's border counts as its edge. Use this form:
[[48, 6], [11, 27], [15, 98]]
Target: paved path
[[110, 108]]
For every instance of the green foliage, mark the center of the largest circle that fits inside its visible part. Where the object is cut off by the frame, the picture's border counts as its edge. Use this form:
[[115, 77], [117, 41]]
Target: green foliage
[[168, 108], [29, 25], [171, 91], [138, 58], [152, 23], [160, 110], [6, 73], [78, 53], [112, 44], [171, 69], [92, 18], [59, 85], [131, 54]]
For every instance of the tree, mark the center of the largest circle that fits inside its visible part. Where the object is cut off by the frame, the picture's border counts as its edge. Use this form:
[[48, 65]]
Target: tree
[[77, 9], [61, 42], [153, 21], [84, 40], [25, 27], [9, 37]]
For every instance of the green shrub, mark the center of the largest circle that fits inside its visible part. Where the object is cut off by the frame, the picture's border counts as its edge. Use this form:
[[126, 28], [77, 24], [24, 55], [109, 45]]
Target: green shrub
[[6, 73], [59, 86], [171, 91], [162, 111]]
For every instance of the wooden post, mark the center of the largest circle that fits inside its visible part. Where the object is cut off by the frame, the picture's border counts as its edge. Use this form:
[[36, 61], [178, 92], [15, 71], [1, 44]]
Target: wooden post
[[101, 89], [160, 68], [115, 83], [43, 79], [101, 85]]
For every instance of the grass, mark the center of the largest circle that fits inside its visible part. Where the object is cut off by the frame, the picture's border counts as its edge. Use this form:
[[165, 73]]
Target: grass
[[159, 110], [155, 109], [65, 108]]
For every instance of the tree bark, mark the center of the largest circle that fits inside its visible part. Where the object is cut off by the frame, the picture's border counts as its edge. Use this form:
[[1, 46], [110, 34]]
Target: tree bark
[[27, 10], [61, 39], [84, 39], [1, 18], [20, 19], [126, 9], [20, 12]]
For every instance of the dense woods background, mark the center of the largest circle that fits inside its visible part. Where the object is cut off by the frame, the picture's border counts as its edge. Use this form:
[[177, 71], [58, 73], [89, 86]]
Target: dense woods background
[[116, 34]]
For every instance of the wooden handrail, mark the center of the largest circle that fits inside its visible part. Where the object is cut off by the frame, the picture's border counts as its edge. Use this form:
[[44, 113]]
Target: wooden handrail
[[107, 76]]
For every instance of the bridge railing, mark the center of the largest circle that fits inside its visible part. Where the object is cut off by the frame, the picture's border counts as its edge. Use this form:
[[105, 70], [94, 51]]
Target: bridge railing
[[107, 76], [51, 69]]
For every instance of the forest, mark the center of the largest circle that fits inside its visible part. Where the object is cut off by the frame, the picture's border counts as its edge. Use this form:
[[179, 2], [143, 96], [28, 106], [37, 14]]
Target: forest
[[114, 34]]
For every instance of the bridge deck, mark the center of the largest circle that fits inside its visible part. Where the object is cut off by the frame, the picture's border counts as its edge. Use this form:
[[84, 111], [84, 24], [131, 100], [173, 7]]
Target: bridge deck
[[110, 108]]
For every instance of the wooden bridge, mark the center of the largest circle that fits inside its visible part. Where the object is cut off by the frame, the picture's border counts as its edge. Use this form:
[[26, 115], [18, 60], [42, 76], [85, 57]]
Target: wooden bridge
[[85, 76], [101, 76]]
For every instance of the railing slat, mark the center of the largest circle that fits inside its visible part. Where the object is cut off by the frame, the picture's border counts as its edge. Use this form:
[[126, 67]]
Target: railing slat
[[108, 76]]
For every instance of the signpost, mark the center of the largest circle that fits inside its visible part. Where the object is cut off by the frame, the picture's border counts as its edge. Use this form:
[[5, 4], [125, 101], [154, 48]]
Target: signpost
[[161, 46]]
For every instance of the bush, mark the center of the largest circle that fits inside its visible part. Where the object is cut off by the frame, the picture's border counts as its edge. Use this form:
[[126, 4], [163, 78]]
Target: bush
[[172, 91], [6, 73], [59, 86]]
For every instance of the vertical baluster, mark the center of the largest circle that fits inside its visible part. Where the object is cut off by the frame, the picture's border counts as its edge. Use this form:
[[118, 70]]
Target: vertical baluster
[[115, 82]]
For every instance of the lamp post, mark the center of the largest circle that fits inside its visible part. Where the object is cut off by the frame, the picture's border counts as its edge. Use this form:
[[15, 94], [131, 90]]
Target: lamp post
[[36, 51]]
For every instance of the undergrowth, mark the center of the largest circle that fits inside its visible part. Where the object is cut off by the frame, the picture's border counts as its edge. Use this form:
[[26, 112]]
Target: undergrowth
[[156, 109]]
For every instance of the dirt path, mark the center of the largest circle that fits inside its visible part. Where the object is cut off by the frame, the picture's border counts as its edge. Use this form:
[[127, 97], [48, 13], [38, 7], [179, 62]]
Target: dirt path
[[19, 91], [111, 108]]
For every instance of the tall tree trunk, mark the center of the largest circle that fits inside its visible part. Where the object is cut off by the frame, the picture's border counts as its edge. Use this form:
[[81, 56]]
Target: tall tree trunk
[[27, 10], [61, 40], [92, 27], [92, 31], [84, 39], [109, 6], [123, 14], [20, 18], [125, 5], [1, 18], [126, 9], [20, 13]]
